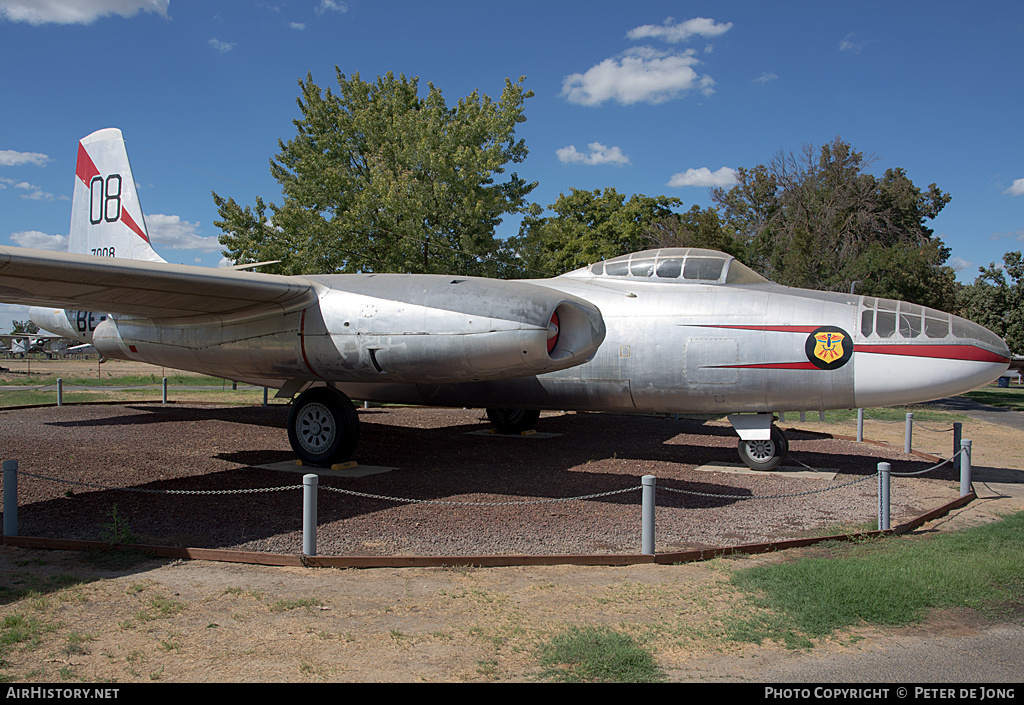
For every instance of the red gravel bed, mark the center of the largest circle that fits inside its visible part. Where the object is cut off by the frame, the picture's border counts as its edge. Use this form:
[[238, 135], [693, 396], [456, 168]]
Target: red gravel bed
[[132, 447]]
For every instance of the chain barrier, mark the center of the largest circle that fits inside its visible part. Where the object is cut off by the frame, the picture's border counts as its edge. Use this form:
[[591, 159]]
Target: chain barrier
[[310, 485], [933, 467], [918, 424], [255, 490], [775, 496], [387, 498], [479, 504], [140, 490], [872, 418]]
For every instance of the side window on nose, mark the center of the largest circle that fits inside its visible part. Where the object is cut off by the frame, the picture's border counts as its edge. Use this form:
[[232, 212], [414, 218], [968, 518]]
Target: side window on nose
[[885, 324]]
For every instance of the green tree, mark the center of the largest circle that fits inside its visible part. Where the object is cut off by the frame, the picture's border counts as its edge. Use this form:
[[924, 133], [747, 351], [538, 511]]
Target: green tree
[[380, 179], [24, 327], [996, 300], [696, 227], [819, 220], [587, 226]]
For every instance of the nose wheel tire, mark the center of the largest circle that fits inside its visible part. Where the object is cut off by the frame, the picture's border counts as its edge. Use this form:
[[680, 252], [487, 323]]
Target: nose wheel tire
[[323, 427], [765, 454], [513, 420]]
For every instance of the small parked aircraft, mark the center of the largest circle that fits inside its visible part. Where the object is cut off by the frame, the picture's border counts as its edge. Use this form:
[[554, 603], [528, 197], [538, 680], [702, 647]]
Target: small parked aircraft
[[22, 343], [669, 330]]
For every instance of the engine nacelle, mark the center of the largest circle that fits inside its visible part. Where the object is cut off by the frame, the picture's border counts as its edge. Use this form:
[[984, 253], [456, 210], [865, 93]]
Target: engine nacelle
[[429, 329]]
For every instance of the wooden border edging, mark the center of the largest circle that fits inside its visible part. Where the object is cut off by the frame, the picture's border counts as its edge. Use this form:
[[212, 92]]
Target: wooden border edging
[[293, 560]]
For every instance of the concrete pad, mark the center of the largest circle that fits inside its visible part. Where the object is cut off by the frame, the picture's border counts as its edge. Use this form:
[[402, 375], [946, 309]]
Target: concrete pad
[[782, 471], [340, 470], [524, 434]]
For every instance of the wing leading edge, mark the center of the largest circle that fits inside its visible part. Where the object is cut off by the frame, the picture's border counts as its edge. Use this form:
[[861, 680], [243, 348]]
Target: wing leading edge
[[156, 290]]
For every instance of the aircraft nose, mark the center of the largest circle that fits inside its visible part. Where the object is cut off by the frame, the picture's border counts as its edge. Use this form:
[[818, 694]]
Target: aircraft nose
[[980, 336], [907, 354]]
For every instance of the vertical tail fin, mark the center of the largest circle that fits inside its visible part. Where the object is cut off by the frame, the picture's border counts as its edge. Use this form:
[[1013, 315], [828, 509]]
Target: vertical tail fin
[[106, 216]]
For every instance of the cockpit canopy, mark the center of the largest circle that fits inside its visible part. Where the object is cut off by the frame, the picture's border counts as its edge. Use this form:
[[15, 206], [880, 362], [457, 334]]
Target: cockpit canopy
[[688, 264]]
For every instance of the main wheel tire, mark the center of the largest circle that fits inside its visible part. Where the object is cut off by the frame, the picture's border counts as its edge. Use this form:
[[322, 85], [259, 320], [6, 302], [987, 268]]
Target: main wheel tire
[[764, 454], [323, 427], [513, 420]]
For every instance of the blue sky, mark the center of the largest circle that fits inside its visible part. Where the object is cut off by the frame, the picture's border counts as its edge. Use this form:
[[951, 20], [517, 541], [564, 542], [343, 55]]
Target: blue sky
[[646, 97]]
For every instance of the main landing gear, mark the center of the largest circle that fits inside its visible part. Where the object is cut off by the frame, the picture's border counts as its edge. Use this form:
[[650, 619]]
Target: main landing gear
[[762, 446], [764, 454], [323, 427], [513, 420]]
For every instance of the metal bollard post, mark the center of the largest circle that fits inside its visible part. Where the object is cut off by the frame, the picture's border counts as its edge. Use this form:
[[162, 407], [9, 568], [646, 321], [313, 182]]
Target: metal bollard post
[[647, 512], [860, 425], [957, 435], [965, 468], [884, 469], [60, 391], [10, 497], [309, 485], [165, 390], [264, 396], [908, 434]]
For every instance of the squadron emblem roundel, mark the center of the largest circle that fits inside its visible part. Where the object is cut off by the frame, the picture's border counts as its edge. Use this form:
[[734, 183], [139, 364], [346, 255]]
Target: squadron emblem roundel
[[829, 347]]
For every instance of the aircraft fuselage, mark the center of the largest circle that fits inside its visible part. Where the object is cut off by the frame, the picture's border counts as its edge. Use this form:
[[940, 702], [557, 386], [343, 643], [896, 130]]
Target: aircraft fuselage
[[668, 346], [705, 348]]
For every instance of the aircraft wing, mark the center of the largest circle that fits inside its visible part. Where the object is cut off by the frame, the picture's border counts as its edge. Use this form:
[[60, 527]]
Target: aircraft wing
[[139, 288]]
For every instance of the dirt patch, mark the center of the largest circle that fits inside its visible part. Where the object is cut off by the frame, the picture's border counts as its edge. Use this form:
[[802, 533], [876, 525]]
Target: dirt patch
[[18, 369]]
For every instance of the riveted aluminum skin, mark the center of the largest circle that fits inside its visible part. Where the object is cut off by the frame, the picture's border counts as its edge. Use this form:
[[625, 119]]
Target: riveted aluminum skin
[[679, 346], [392, 328]]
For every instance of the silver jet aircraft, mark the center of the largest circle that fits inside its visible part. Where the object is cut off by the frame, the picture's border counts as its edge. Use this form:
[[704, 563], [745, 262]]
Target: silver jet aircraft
[[670, 330]]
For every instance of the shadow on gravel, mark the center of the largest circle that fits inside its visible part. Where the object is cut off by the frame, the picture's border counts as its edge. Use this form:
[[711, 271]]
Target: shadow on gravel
[[271, 417]]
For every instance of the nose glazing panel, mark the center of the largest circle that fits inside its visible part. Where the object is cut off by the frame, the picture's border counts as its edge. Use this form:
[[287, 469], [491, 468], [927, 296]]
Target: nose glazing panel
[[887, 320]]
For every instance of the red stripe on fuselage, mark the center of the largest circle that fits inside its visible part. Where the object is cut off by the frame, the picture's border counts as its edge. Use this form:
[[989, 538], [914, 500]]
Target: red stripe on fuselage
[[943, 351], [772, 329], [770, 366]]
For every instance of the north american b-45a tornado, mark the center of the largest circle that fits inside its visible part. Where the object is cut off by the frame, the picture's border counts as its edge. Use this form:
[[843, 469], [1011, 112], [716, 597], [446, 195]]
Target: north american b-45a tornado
[[669, 330]]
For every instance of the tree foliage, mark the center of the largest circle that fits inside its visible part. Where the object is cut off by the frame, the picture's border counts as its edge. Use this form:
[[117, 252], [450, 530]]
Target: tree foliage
[[818, 220], [588, 226], [996, 300], [22, 327], [379, 179], [696, 227]]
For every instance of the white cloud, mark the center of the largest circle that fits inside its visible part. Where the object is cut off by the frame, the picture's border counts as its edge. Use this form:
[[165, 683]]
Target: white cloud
[[1017, 189], [675, 33], [222, 47], [326, 6], [766, 78], [171, 231], [39, 12], [297, 25], [704, 177], [597, 154], [641, 75], [11, 158], [851, 43], [33, 192], [40, 241]]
